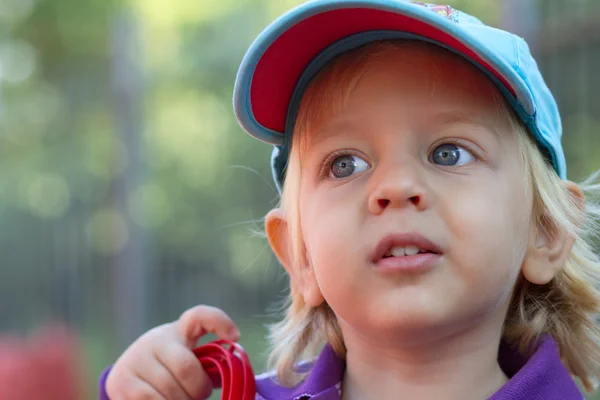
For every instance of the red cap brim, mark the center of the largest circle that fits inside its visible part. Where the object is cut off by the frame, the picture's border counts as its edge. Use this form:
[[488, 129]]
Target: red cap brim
[[284, 61]]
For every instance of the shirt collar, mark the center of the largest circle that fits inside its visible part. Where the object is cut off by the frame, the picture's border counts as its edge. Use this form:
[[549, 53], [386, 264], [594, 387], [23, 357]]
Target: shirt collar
[[541, 377], [323, 382]]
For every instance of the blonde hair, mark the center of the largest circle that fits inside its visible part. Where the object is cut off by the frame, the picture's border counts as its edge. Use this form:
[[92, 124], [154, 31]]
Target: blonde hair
[[565, 308]]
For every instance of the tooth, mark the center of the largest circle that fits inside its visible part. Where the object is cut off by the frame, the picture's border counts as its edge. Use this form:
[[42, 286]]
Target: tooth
[[411, 250], [398, 252]]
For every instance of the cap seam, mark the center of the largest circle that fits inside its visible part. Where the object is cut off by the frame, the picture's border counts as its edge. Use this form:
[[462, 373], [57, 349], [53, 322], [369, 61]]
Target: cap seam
[[517, 54]]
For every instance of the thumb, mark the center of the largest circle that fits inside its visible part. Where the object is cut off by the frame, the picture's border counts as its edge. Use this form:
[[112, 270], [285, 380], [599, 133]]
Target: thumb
[[200, 320]]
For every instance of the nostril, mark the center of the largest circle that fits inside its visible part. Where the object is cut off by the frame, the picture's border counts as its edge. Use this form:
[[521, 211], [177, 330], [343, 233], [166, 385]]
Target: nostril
[[415, 200], [383, 203]]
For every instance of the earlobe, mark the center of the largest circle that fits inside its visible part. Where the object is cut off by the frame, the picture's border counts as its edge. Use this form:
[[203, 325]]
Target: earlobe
[[547, 252], [311, 290], [278, 234], [549, 246]]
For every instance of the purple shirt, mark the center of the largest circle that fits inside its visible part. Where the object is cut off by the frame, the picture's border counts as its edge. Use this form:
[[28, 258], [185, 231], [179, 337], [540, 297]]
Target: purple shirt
[[541, 377]]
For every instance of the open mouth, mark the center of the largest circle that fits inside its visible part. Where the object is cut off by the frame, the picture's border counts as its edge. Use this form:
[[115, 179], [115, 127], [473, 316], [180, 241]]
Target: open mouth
[[403, 245], [401, 251]]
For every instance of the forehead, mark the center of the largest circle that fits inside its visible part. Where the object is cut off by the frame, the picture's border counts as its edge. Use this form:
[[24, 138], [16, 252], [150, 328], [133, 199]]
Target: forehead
[[413, 71]]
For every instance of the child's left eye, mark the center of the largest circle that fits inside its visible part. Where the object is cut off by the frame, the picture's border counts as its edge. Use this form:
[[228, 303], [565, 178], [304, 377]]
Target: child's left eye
[[449, 154], [346, 165]]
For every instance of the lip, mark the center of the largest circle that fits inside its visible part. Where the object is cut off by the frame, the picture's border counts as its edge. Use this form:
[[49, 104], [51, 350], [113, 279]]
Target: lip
[[418, 263], [403, 240]]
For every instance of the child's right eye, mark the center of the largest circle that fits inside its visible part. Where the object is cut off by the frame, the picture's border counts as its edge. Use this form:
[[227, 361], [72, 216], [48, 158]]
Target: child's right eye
[[346, 165]]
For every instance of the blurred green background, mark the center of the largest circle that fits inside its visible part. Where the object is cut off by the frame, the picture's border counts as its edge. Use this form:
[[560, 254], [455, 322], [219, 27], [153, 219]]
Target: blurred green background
[[128, 193]]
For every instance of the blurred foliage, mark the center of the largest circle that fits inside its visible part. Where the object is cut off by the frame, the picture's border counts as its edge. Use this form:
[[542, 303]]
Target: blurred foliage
[[117, 140]]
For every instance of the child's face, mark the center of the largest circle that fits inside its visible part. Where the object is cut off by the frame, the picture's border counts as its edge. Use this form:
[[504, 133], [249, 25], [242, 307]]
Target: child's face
[[420, 147]]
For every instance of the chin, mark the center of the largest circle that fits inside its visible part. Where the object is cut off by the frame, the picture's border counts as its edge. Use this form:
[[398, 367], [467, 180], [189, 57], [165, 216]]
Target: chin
[[403, 323], [414, 322]]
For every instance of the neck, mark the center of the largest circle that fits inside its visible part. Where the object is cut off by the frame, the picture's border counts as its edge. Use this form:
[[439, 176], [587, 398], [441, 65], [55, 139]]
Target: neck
[[460, 366]]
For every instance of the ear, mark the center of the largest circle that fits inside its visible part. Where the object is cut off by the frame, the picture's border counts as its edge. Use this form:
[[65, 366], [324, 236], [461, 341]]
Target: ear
[[549, 246], [301, 273]]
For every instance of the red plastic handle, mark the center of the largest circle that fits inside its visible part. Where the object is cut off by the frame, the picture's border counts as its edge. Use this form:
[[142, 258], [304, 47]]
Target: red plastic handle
[[229, 368]]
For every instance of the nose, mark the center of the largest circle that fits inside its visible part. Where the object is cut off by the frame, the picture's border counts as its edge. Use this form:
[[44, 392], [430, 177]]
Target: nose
[[398, 187]]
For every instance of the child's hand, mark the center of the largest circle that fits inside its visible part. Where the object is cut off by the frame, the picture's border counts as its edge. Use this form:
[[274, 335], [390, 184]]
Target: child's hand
[[161, 364]]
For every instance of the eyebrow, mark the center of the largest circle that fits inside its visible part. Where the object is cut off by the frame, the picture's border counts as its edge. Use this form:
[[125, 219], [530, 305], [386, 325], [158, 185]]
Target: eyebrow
[[342, 128], [448, 118]]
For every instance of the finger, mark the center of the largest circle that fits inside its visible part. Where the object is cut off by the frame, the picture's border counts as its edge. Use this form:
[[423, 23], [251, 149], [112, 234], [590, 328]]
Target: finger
[[187, 370], [161, 380], [144, 391], [199, 320], [133, 388]]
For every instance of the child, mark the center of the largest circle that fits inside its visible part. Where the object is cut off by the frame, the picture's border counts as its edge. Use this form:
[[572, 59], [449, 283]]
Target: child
[[432, 241]]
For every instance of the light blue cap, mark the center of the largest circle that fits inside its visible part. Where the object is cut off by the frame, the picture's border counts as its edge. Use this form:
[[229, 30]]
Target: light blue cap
[[290, 52]]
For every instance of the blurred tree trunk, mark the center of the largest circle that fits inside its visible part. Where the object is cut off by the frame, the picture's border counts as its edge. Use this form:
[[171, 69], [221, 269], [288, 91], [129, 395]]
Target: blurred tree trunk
[[130, 269]]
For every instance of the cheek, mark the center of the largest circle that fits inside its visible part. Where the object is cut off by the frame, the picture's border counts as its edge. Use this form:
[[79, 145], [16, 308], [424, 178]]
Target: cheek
[[329, 228], [490, 226], [329, 225], [492, 213]]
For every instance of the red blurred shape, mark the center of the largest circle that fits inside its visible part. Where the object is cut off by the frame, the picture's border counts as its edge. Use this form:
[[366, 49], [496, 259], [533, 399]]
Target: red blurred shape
[[43, 367]]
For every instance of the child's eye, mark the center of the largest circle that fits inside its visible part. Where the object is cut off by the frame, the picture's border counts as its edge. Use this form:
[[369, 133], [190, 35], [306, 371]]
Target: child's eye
[[449, 154], [346, 165]]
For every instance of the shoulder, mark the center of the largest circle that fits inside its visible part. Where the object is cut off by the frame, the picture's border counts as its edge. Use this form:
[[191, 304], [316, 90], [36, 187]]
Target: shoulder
[[269, 388], [265, 385], [323, 379]]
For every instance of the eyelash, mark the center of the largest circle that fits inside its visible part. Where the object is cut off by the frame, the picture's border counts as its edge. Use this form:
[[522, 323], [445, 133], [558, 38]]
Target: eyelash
[[457, 142], [326, 167]]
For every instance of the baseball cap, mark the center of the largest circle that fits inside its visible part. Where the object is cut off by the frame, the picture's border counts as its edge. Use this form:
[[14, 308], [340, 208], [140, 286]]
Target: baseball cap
[[285, 57]]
